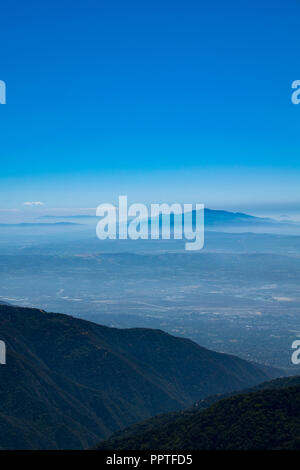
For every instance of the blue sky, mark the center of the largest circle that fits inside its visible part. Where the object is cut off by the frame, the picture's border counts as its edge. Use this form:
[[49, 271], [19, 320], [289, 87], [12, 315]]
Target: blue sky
[[160, 100]]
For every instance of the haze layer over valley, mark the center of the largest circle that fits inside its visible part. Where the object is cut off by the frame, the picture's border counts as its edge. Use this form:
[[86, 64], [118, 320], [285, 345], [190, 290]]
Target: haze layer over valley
[[239, 295]]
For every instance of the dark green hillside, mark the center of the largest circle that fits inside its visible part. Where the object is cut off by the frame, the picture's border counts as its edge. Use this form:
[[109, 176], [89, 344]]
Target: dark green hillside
[[265, 419], [282, 382], [69, 382]]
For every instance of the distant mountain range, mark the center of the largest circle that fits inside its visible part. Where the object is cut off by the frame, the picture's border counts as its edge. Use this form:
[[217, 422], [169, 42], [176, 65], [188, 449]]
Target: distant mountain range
[[216, 217], [212, 217], [38, 224], [69, 383], [78, 216], [266, 417]]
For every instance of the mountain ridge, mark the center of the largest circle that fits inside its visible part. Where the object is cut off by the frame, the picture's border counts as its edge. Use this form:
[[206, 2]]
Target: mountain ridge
[[212, 216], [69, 382], [265, 417]]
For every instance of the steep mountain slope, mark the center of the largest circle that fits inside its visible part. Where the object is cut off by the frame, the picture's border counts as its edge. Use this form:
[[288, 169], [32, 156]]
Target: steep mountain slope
[[69, 382], [264, 419], [282, 382]]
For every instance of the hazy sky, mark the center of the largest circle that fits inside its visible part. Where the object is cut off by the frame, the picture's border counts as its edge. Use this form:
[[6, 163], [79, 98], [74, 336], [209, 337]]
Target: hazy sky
[[160, 100]]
